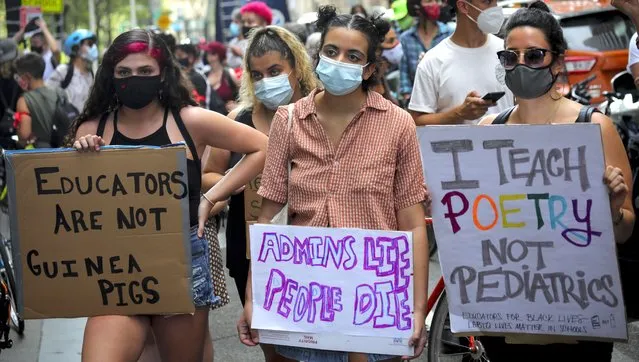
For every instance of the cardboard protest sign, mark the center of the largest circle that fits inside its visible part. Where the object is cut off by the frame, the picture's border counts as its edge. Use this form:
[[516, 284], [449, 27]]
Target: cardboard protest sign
[[524, 230], [336, 289], [101, 233]]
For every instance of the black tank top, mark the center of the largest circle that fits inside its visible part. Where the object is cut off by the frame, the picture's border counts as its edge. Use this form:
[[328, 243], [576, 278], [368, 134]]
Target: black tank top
[[161, 138]]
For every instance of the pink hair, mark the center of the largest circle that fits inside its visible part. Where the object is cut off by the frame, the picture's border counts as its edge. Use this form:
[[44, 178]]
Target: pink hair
[[140, 47], [260, 9]]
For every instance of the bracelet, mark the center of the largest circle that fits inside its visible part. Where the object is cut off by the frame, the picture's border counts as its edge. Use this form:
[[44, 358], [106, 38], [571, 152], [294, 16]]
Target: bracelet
[[207, 199], [619, 219]]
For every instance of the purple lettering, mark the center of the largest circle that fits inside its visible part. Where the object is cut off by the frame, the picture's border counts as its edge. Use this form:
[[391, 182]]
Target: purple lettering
[[276, 283], [386, 305], [269, 245], [452, 215], [365, 304]]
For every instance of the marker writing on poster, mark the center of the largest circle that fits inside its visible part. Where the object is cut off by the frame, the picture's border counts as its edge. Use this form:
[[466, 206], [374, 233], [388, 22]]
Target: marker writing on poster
[[127, 217], [381, 305], [111, 290], [572, 218]]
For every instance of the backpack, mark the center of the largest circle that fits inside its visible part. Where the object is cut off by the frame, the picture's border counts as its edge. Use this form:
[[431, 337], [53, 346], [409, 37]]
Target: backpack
[[63, 115]]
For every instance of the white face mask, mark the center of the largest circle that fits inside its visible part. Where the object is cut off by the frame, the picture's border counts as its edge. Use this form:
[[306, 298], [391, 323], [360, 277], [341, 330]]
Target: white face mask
[[394, 55], [490, 20]]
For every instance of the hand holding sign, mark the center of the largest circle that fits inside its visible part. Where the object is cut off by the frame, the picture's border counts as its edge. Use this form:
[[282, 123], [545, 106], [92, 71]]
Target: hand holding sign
[[617, 187], [248, 336], [89, 143], [419, 337]]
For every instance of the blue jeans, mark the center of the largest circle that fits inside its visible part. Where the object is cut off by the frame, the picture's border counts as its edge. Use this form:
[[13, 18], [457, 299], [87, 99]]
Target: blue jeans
[[201, 267], [318, 355]]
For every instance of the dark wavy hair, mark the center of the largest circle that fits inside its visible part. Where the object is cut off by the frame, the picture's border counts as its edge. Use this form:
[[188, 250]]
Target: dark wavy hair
[[537, 15], [176, 91], [374, 28]]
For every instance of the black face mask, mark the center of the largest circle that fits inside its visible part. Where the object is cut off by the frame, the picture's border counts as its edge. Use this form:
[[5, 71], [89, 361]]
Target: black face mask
[[246, 31], [137, 92], [36, 49], [184, 62]]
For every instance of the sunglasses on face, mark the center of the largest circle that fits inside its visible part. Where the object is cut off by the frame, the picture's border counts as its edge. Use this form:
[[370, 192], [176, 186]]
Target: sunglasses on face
[[533, 58]]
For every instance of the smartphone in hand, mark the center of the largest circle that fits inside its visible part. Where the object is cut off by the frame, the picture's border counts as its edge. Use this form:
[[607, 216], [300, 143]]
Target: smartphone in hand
[[493, 96]]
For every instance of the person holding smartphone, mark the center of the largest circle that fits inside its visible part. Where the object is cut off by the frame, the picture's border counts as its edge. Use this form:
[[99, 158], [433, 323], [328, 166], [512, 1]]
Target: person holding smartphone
[[453, 79]]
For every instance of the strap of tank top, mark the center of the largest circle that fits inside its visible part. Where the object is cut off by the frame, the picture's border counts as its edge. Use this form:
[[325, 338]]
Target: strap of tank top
[[102, 124], [187, 137], [585, 114], [503, 117]]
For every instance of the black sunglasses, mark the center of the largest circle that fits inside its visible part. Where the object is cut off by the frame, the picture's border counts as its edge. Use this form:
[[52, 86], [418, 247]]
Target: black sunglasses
[[533, 58]]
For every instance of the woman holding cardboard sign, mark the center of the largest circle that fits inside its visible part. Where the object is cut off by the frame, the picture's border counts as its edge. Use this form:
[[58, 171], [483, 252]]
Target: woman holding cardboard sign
[[533, 60], [354, 162], [141, 97]]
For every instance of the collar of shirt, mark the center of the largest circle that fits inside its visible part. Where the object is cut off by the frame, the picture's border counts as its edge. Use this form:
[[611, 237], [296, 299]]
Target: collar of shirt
[[442, 30], [306, 106]]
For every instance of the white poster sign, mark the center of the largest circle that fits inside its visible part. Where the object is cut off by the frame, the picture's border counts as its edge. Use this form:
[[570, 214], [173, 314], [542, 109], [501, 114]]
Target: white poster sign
[[524, 230], [335, 289]]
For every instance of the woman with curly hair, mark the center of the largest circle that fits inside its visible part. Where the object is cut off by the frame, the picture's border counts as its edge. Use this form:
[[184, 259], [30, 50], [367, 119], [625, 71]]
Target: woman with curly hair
[[141, 97], [277, 71]]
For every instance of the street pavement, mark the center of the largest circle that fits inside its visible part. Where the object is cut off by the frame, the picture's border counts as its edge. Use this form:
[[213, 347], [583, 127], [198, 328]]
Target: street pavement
[[60, 340]]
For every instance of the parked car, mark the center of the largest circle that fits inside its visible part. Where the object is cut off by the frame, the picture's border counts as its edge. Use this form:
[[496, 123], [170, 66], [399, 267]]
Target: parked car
[[598, 36]]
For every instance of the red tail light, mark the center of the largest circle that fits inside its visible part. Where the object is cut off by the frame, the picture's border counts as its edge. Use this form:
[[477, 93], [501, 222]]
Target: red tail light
[[579, 64]]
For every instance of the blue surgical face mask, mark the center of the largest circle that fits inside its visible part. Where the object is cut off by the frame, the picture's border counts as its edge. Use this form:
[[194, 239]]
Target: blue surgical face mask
[[274, 92], [339, 78], [234, 29], [92, 54]]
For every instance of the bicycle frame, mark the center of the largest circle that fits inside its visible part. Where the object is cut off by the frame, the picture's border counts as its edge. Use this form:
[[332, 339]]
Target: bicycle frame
[[432, 300]]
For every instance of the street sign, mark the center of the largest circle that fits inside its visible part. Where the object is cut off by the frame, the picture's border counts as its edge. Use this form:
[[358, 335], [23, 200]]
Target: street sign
[[47, 6]]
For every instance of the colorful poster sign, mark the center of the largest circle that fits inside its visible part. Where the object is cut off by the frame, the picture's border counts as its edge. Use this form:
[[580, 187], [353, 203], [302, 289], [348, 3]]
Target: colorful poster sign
[[524, 230], [321, 287]]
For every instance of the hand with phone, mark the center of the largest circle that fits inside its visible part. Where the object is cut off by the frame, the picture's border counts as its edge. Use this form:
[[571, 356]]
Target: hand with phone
[[474, 107]]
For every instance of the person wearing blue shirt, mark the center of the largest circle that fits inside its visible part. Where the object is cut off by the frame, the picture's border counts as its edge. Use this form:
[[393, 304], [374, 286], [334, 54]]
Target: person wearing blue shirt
[[425, 34]]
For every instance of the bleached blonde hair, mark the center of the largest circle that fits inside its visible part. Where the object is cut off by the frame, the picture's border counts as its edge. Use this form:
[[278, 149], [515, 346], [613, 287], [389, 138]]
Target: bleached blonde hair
[[278, 39]]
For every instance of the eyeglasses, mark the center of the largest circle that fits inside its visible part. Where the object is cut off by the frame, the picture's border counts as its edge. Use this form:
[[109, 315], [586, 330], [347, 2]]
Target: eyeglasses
[[533, 58]]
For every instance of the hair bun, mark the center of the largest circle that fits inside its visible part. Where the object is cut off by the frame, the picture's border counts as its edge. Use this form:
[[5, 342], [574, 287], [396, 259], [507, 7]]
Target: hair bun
[[325, 14], [539, 5], [381, 25]]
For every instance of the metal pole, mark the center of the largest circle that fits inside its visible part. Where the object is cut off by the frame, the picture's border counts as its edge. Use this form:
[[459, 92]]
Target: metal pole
[[92, 24], [134, 18]]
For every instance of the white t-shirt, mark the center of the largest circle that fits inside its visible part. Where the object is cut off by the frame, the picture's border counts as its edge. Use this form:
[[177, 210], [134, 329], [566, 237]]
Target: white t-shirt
[[448, 72], [633, 52]]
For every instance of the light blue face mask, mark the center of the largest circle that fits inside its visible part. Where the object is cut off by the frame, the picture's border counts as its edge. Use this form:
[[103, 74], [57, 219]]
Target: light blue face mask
[[234, 29], [339, 78], [274, 92], [92, 54]]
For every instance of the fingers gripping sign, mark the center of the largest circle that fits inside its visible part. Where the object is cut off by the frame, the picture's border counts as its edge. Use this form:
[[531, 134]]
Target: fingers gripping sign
[[89, 143]]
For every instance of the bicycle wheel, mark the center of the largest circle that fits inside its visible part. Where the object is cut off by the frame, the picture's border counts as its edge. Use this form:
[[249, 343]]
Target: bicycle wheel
[[443, 346], [16, 320]]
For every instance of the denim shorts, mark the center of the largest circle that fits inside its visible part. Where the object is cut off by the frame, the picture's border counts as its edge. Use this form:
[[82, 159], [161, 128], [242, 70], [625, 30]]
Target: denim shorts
[[203, 295], [318, 355]]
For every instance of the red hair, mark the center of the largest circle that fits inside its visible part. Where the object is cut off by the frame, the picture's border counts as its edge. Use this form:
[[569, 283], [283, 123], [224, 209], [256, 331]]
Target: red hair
[[217, 48], [260, 9]]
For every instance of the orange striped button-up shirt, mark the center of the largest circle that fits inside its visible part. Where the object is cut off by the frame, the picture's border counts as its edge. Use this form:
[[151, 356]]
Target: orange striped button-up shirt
[[375, 171]]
